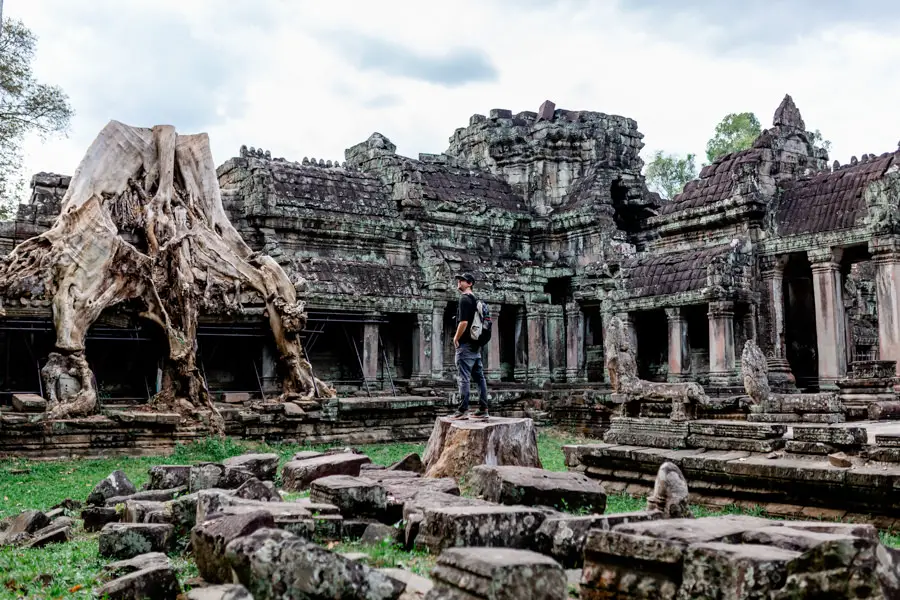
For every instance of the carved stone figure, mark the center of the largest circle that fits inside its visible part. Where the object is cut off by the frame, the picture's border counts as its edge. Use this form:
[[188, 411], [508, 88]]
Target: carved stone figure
[[142, 223], [621, 365], [670, 493], [755, 373]]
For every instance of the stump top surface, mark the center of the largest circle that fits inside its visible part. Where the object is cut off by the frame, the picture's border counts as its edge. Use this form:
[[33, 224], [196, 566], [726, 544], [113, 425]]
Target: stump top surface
[[484, 423]]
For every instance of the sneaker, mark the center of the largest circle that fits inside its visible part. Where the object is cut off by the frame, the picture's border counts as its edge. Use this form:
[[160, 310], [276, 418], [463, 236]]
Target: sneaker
[[481, 414], [460, 415]]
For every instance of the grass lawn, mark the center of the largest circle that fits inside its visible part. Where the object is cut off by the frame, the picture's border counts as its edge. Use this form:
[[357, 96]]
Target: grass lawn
[[71, 570]]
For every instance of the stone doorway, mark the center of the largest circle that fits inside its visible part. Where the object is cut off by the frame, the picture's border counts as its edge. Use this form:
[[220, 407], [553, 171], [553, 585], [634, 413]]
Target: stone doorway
[[651, 327], [801, 345]]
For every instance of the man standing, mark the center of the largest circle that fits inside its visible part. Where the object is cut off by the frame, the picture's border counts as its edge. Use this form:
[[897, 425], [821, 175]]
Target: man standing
[[468, 351]]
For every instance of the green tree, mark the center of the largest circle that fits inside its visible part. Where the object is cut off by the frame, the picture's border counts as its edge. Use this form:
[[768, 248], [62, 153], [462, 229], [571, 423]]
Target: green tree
[[667, 174], [735, 132], [26, 106], [819, 141]]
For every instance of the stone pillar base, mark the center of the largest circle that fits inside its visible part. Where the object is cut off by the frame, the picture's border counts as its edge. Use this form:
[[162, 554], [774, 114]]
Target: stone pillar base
[[573, 376], [781, 379], [724, 379], [520, 374]]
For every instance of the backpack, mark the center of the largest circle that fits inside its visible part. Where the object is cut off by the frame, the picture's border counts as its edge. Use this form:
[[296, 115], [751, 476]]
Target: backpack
[[482, 324]]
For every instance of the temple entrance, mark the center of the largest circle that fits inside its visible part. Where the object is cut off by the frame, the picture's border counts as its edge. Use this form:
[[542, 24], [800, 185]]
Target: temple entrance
[[696, 319], [593, 344], [506, 329], [800, 322], [651, 329]]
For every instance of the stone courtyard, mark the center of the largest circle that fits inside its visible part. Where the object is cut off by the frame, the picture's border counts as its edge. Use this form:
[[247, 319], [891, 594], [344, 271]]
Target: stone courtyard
[[313, 302]]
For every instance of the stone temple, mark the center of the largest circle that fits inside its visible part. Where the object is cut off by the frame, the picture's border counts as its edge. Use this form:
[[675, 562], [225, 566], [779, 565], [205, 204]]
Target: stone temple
[[551, 213]]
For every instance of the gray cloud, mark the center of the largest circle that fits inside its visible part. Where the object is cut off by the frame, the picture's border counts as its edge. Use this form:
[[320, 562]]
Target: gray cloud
[[756, 24], [150, 67], [382, 101], [456, 67]]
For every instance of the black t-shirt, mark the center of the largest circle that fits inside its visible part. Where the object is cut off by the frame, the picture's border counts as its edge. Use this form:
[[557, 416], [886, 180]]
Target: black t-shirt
[[465, 311]]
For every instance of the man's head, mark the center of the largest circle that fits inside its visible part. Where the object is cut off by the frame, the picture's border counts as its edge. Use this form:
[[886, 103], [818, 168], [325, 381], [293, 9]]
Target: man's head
[[465, 281]]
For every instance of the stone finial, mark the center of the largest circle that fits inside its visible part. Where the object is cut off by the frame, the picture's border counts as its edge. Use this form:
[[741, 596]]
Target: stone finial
[[243, 153], [755, 373], [252, 151], [321, 162], [328, 163], [854, 160], [788, 115], [836, 165], [546, 111], [305, 162]]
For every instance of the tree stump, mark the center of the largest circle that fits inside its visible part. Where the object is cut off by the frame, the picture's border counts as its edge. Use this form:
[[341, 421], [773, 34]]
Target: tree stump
[[455, 446]]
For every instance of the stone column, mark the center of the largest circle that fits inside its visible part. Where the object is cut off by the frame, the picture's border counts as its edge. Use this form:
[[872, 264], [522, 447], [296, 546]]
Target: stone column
[[437, 340], [774, 346], [520, 369], [679, 350], [831, 324], [886, 255], [538, 346], [370, 351], [575, 332], [556, 341], [421, 350], [492, 366], [721, 343]]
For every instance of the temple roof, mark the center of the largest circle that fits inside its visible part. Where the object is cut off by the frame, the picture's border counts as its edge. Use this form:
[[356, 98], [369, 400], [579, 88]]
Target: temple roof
[[464, 187], [715, 183], [339, 276], [831, 201], [672, 273]]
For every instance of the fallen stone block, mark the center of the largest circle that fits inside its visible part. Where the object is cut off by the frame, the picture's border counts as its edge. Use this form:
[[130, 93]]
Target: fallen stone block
[[57, 532], [272, 566], [23, 526], [138, 563], [116, 484], [220, 592], [376, 534], [254, 489], [739, 571], [182, 512], [564, 538], [836, 436], [136, 511], [495, 574], [28, 403], [415, 507], [328, 528], [305, 454], [410, 463], [789, 538], [95, 517], [728, 528], [297, 475], [847, 568], [537, 487], [416, 585], [148, 496], [289, 516], [127, 540], [354, 529], [317, 507], [482, 526], [209, 539], [262, 466], [164, 477], [213, 475], [157, 582], [354, 496]]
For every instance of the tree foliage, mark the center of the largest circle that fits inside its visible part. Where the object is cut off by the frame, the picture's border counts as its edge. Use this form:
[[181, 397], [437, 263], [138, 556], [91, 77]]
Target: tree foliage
[[819, 141], [26, 106], [737, 131], [667, 174]]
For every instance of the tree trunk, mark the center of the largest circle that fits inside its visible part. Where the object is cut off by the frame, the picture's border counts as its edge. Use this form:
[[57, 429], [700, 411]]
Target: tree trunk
[[143, 223], [455, 446]]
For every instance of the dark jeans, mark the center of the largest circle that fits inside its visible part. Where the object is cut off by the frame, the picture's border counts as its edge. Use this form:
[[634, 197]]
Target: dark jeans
[[469, 366]]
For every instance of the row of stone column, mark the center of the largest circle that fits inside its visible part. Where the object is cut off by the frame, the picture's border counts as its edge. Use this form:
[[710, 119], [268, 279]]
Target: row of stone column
[[722, 361], [831, 321]]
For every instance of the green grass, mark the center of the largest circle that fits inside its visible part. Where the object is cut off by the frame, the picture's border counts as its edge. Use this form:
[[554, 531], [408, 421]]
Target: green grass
[[388, 555], [53, 571]]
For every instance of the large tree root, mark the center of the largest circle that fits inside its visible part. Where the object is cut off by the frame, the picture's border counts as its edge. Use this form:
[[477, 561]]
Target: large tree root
[[143, 222]]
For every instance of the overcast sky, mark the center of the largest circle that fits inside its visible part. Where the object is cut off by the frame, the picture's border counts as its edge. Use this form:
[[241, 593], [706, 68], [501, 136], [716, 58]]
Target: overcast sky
[[311, 78]]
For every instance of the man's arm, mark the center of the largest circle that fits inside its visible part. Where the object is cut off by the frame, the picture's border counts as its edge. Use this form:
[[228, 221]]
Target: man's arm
[[460, 330]]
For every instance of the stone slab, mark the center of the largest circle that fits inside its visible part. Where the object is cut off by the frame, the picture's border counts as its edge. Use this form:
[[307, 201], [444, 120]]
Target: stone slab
[[838, 436], [28, 403], [738, 444], [297, 475], [483, 526], [497, 573], [354, 496], [737, 429], [538, 487], [738, 571], [127, 540], [564, 537]]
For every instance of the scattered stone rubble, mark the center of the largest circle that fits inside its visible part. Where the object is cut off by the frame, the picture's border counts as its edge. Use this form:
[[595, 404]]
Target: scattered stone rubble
[[511, 541]]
